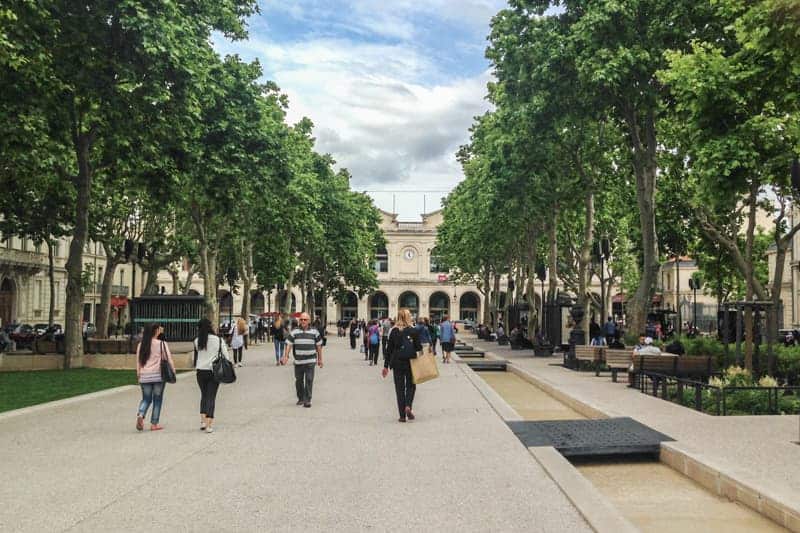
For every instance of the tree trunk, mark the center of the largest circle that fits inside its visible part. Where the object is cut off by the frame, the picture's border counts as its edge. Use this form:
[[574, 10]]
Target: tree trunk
[[51, 277], [678, 294], [246, 269], [105, 296], [487, 294], [151, 285], [496, 299], [324, 311], [73, 331], [189, 278], [287, 305], [174, 274], [584, 299], [552, 259], [208, 269], [645, 170]]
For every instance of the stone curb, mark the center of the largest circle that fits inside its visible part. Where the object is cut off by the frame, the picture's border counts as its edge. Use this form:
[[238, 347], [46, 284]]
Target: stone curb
[[75, 399]]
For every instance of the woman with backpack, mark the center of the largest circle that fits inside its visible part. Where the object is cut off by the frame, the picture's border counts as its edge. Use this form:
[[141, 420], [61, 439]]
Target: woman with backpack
[[403, 345], [374, 334], [149, 354], [207, 347], [278, 333]]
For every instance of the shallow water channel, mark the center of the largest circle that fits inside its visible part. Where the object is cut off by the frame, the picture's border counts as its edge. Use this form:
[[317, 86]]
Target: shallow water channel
[[651, 495]]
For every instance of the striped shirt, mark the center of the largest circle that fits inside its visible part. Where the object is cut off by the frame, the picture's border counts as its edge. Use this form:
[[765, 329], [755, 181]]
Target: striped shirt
[[305, 344]]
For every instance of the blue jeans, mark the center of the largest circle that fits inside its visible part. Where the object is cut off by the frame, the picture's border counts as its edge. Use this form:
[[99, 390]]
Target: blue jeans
[[151, 393], [279, 348]]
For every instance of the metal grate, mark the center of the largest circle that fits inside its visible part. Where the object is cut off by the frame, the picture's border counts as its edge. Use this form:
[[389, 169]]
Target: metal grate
[[584, 438]]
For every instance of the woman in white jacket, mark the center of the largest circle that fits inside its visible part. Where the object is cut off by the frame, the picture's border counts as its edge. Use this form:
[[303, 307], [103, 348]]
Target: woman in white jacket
[[207, 347]]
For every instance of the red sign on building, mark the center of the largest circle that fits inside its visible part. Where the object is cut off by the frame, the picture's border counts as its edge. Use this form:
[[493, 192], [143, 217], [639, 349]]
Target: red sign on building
[[441, 277]]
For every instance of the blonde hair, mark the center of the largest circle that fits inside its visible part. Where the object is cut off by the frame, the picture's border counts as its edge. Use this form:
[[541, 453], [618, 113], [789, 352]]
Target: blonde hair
[[241, 325], [278, 322], [403, 318]]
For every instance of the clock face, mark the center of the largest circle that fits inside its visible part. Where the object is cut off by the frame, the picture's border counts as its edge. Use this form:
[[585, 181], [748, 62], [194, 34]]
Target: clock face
[[408, 254]]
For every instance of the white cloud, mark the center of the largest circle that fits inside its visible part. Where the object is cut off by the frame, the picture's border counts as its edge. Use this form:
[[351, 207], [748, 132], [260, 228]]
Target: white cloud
[[384, 109]]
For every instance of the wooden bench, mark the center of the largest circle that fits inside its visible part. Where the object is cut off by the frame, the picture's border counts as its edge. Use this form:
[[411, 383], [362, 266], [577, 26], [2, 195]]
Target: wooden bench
[[618, 360], [695, 366], [593, 355]]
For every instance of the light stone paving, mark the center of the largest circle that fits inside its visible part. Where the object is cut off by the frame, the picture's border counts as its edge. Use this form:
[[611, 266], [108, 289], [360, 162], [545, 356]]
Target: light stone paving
[[758, 451], [343, 465]]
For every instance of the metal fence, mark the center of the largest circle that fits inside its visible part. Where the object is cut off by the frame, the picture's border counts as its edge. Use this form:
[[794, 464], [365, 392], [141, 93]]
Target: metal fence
[[721, 401], [178, 315]]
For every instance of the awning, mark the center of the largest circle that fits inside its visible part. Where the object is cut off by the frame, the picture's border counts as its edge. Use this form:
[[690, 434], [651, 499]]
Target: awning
[[119, 301], [619, 298]]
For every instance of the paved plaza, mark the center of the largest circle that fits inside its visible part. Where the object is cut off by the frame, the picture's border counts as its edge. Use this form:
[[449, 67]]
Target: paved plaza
[[343, 465]]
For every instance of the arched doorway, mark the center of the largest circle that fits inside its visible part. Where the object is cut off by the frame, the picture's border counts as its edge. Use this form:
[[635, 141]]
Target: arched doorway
[[439, 306], [349, 306], [378, 305], [410, 301], [8, 295], [225, 305], [257, 302], [470, 305]]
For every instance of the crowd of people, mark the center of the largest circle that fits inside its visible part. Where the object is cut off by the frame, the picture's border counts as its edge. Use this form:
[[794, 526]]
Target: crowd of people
[[400, 341]]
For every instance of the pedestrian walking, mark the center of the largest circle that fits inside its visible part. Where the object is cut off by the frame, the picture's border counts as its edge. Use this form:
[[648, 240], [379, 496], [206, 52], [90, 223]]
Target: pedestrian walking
[[448, 338], [149, 354], [403, 345], [278, 332], [354, 333], [306, 344], [374, 333], [238, 336], [364, 339], [433, 331], [424, 334], [207, 348], [386, 327]]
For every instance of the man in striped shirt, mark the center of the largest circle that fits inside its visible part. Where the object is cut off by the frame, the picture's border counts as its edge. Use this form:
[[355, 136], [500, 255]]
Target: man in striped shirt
[[307, 344]]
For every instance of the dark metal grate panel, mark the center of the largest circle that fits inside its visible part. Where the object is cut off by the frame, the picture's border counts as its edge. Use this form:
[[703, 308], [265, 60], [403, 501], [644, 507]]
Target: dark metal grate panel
[[582, 438]]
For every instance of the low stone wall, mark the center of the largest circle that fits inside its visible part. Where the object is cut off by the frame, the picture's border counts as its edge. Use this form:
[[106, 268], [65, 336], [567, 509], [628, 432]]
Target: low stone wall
[[27, 362]]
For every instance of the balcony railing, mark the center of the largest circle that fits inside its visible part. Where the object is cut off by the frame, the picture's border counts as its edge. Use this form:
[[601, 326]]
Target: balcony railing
[[116, 290]]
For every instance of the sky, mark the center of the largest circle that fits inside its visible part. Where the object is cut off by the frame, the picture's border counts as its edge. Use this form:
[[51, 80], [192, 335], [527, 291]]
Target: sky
[[392, 86]]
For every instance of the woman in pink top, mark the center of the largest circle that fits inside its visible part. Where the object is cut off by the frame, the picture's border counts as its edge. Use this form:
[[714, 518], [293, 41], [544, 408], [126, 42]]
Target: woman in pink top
[[149, 355]]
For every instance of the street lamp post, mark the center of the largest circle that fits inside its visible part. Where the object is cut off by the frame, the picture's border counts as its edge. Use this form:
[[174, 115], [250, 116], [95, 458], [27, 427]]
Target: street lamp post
[[602, 253], [695, 284], [541, 275]]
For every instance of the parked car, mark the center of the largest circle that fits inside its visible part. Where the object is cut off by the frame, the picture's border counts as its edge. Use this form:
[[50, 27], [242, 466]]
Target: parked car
[[40, 329], [24, 336]]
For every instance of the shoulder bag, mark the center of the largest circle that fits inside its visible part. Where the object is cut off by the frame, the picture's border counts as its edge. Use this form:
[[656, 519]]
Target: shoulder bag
[[222, 368], [423, 368], [167, 373]]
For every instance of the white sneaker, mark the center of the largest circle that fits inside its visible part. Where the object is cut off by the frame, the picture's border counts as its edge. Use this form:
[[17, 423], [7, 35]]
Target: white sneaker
[[209, 430]]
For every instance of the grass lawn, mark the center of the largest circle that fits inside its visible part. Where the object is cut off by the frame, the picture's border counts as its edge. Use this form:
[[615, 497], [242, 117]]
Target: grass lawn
[[21, 389]]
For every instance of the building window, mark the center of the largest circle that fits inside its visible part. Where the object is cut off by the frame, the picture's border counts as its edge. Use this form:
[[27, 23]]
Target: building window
[[24, 244], [39, 295], [38, 248], [437, 264], [382, 260]]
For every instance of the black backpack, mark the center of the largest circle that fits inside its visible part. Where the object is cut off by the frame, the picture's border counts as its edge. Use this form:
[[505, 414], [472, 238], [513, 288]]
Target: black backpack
[[406, 349]]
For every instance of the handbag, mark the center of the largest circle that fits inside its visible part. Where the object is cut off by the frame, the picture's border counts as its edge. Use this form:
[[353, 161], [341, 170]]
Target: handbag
[[222, 368], [423, 368], [167, 374]]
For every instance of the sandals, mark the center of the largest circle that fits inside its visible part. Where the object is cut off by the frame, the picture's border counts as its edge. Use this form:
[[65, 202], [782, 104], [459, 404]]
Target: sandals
[[409, 414], [156, 427], [139, 422]]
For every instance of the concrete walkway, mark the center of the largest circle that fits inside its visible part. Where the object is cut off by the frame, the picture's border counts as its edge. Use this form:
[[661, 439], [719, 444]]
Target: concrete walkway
[[344, 465], [759, 453]]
